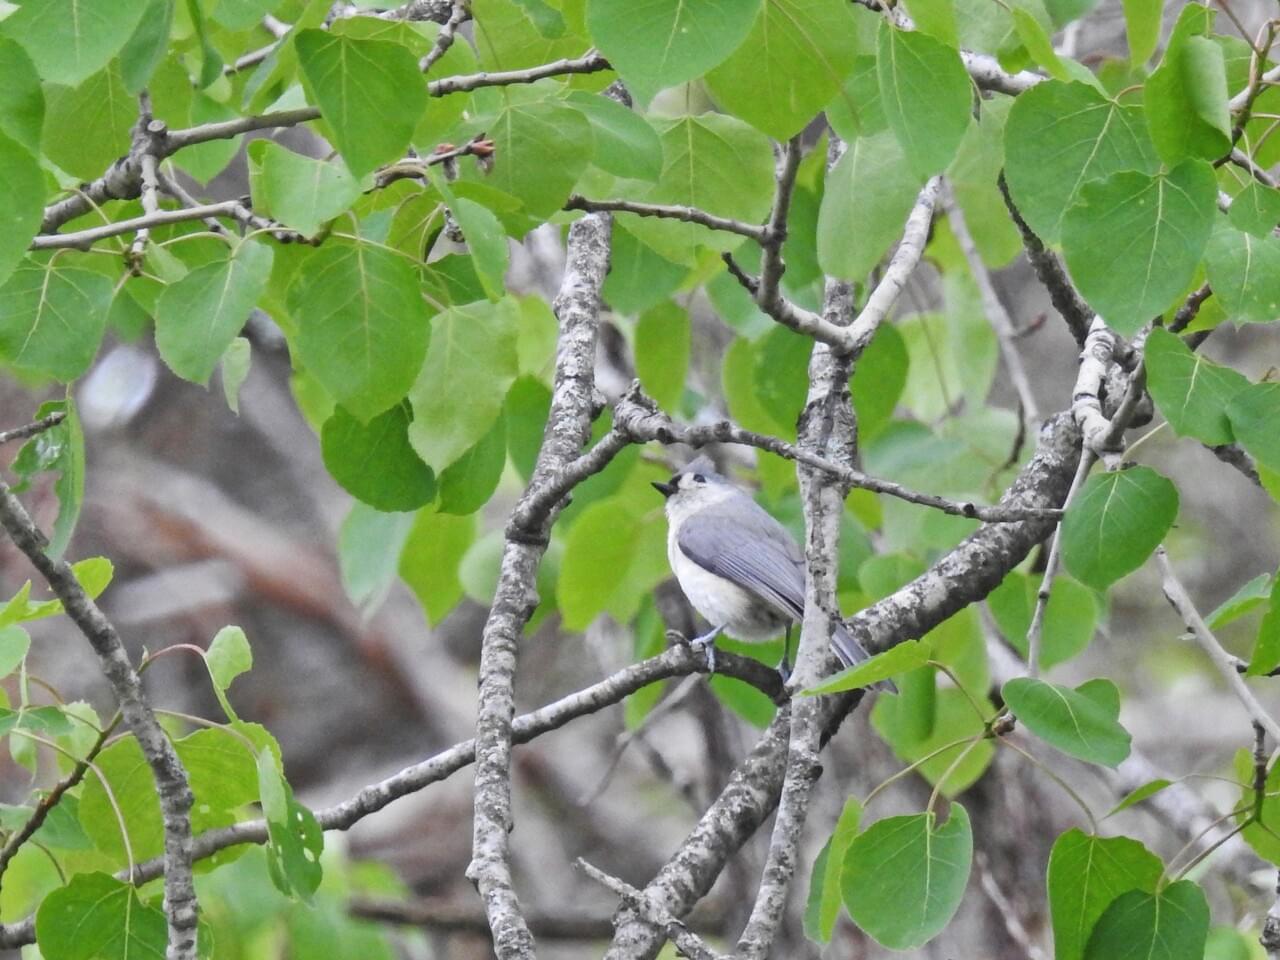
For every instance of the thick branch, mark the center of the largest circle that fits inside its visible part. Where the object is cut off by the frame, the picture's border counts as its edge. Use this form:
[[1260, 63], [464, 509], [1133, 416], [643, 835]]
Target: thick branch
[[181, 907], [964, 575]]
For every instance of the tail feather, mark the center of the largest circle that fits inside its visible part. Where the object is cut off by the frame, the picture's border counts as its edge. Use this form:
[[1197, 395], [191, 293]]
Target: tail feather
[[851, 652]]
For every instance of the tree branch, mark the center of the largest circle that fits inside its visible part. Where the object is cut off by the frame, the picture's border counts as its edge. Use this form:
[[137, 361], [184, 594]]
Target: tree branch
[[686, 214], [31, 429], [964, 575], [687, 943], [442, 916], [641, 420], [181, 906], [573, 408]]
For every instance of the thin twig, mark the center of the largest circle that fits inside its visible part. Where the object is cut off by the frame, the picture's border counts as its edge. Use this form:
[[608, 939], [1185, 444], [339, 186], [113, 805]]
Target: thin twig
[[996, 313], [641, 420], [31, 429], [1177, 595], [460, 14], [687, 943], [665, 212], [591, 62]]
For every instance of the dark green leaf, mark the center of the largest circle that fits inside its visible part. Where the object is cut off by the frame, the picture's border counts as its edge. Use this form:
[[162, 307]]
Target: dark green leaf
[[86, 128], [374, 462], [295, 840], [660, 43], [198, 317], [527, 406], [52, 317], [926, 96], [1133, 241], [1169, 925], [878, 381], [1062, 135], [1254, 413], [364, 324], [1086, 873], [1115, 522], [21, 100], [1186, 96], [639, 277], [1075, 723], [626, 145], [21, 203], [464, 380], [1134, 797], [370, 92], [904, 877], [1191, 391], [1255, 209], [467, 484], [1266, 650], [950, 717], [1249, 597]]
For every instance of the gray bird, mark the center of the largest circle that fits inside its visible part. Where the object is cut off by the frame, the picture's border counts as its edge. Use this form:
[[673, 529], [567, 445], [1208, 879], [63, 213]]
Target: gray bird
[[738, 566]]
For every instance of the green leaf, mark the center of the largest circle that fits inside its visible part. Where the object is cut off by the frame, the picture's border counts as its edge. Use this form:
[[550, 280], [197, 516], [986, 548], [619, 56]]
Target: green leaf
[[1133, 241], [1186, 96], [21, 99], [1191, 391], [86, 128], [370, 92], [235, 370], [301, 192], [790, 65], [973, 176], [1142, 24], [369, 545], [1255, 209], [1115, 522], [487, 243], [857, 226], [1254, 413], [1244, 271], [1068, 719], [1170, 925], [878, 381], [430, 560], [639, 277], [1070, 617], [52, 317], [926, 95], [59, 449], [364, 324], [822, 907], [198, 317], [1249, 597], [856, 110], [459, 392], [905, 656], [228, 656], [598, 551], [14, 644], [904, 877], [540, 149], [70, 39], [662, 347], [374, 461], [1086, 873], [1266, 649], [661, 43], [97, 917], [1259, 834], [1228, 943], [1144, 792], [1060, 136], [1040, 48], [295, 841], [21, 204], [714, 162], [626, 145], [950, 717], [467, 484], [526, 409]]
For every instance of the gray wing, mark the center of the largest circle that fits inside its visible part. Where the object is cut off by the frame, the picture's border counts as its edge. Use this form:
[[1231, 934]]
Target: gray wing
[[740, 541]]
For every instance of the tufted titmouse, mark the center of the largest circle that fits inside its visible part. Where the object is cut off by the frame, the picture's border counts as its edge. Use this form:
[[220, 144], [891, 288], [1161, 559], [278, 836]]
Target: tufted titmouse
[[738, 566]]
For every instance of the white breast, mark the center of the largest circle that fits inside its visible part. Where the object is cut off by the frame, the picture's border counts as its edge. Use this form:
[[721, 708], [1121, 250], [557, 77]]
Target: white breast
[[722, 603]]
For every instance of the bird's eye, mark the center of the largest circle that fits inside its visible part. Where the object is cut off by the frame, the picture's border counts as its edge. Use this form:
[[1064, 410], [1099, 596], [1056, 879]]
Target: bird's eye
[[699, 478]]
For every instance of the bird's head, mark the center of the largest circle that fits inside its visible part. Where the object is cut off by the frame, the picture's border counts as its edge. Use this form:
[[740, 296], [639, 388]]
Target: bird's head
[[694, 487]]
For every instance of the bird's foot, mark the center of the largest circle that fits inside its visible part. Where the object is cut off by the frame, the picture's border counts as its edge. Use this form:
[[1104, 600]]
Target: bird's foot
[[707, 644], [784, 670]]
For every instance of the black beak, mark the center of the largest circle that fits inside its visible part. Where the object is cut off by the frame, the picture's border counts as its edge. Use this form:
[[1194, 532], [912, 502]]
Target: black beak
[[666, 489]]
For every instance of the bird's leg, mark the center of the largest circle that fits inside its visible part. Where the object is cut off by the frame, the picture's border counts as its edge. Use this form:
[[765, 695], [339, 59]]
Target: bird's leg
[[707, 644], [784, 668]]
